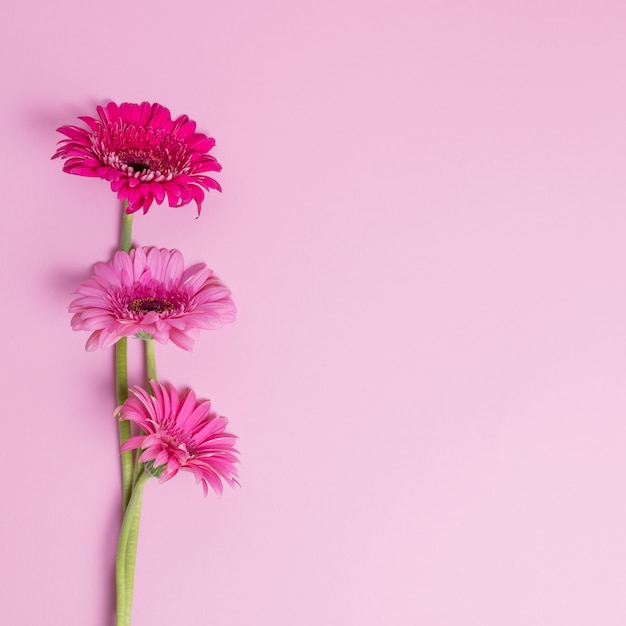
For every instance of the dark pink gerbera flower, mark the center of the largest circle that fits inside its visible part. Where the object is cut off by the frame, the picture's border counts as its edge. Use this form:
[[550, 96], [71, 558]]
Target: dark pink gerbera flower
[[143, 153], [181, 433], [149, 290]]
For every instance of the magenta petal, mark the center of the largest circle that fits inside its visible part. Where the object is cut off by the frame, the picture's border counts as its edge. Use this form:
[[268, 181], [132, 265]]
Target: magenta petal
[[182, 433], [146, 155]]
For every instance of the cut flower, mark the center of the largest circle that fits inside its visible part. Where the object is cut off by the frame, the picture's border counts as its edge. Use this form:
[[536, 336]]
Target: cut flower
[[143, 153], [148, 290], [181, 433]]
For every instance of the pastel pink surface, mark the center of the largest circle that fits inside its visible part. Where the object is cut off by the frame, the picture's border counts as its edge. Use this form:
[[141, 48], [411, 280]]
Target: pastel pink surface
[[423, 224]]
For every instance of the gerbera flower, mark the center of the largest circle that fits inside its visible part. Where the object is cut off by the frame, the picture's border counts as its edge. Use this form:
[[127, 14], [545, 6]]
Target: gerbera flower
[[181, 433], [148, 289], [143, 153]]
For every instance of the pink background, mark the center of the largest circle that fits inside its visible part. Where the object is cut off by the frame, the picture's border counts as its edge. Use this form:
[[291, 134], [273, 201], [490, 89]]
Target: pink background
[[423, 224]]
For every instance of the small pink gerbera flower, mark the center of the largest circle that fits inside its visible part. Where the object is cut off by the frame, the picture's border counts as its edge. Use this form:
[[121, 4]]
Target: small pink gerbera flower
[[181, 433], [143, 153], [148, 290]]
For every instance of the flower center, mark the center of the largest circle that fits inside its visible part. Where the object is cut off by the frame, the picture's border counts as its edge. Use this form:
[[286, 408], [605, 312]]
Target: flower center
[[144, 153], [138, 166], [141, 306], [141, 160]]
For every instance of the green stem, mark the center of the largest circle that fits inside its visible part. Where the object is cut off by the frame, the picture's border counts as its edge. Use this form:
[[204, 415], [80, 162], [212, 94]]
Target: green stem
[[121, 392], [121, 374], [151, 372], [127, 229], [131, 500], [127, 553]]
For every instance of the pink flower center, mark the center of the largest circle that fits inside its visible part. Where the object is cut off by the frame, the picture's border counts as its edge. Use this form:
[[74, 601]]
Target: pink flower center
[[176, 440], [136, 301], [141, 306]]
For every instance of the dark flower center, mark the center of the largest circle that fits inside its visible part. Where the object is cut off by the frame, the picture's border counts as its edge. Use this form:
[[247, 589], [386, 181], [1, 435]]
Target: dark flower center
[[142, 160], [138, 166], [142, 306]]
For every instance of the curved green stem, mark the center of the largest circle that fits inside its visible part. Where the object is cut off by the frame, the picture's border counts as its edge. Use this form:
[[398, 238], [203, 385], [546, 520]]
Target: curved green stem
[[127, 554], [131, 499]]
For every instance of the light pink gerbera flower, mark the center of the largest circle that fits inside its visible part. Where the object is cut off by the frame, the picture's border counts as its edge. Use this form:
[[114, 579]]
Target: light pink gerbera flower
[[181, 433], [143, 153], [149, 290]]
